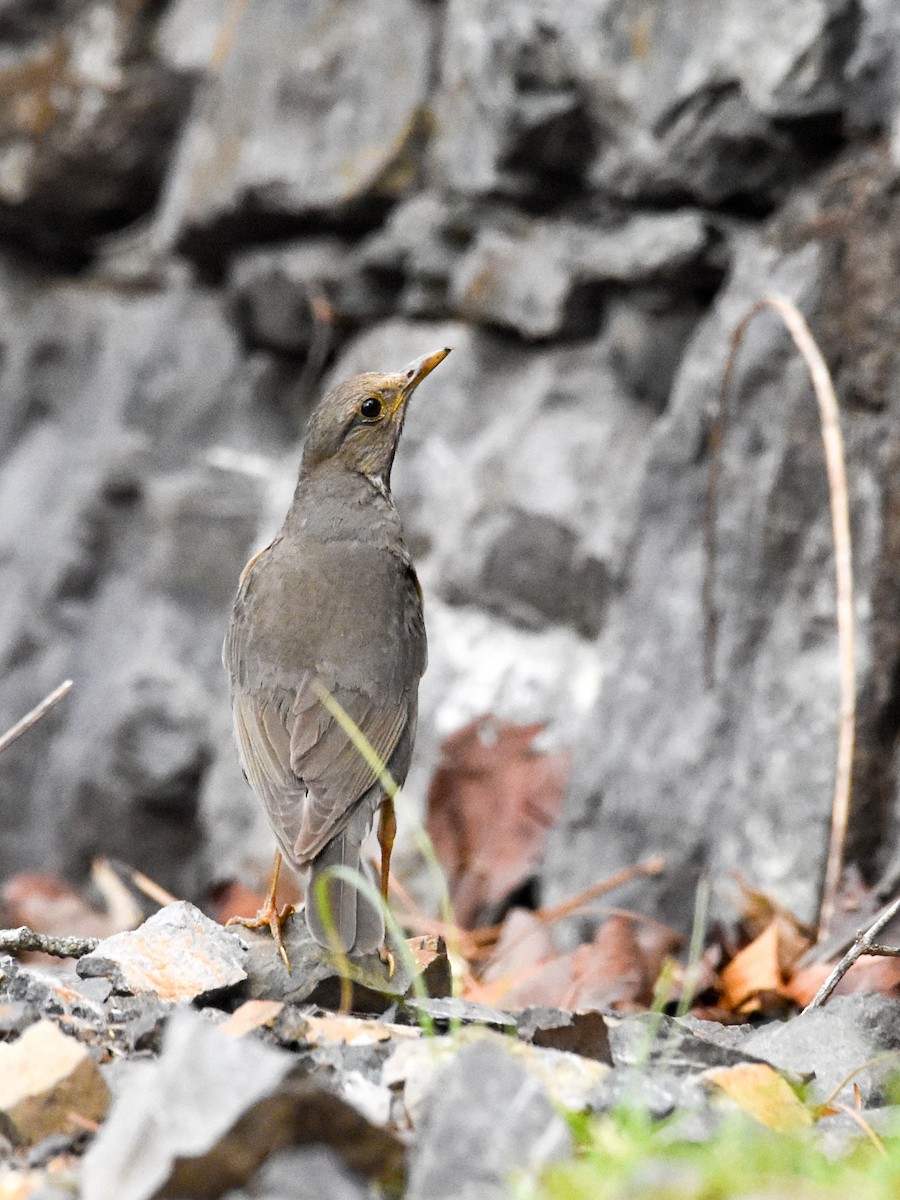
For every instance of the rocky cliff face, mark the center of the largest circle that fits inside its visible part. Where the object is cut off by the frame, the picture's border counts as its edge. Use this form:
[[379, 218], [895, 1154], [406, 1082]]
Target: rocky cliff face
[[209, 209]]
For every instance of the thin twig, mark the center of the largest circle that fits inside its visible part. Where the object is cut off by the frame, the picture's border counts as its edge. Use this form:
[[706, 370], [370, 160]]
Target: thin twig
[[149, 887], [864, 944], [14, 941], [35, 715], [833, 443], [475, 943]]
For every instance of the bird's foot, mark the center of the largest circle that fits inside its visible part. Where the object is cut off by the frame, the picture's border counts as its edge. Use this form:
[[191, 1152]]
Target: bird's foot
[[387, 957], [269, 915]]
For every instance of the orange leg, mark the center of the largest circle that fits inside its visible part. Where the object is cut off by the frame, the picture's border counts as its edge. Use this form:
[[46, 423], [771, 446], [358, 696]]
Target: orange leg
[[269, 914], [387, 831]]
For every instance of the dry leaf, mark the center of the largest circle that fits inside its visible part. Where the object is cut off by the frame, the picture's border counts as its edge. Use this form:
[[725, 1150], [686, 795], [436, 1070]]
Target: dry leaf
[[755, 970], [610, 971], [490, 805], [763, 1094], [253, 1014]]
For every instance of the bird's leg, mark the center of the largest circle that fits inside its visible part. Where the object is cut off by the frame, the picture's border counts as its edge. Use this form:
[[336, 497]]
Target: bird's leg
[[269, 914], [387, 831]]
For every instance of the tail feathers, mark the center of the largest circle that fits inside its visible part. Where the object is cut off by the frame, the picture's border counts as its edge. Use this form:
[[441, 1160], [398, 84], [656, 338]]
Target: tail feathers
[[350, 919]]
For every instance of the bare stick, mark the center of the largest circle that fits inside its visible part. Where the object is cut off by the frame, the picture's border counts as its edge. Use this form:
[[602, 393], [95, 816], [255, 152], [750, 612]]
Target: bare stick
[[475, 943], [864, 944], [14, 941], [35, 715], [843, 565]]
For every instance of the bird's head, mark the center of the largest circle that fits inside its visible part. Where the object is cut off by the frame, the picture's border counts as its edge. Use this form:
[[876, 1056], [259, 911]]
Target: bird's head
[[357, 424]]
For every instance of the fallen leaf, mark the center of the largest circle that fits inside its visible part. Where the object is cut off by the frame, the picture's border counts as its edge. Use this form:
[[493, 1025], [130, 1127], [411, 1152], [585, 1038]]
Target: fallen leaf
[[525, 967], [252, 1014], [759, 1091], [491, 804], [331, 1030], [880, 975], [754, 970], [610, 971]]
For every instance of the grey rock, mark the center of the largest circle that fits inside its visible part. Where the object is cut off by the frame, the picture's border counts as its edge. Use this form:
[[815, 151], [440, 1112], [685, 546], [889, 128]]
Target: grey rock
[[305, 297], [664, 750], [657, 1092], [178, 953], [657, 103], [452, 1009], [120, 549], [314, 1174], [296, 118], [204, 1117], [486, 1118], [873, 70], [655, 1042], [88, 118], [529, 276], [316, 975], [834, 1044]]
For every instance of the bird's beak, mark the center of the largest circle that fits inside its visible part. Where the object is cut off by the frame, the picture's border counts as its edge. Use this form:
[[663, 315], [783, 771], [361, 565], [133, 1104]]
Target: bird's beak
[[417, 370]]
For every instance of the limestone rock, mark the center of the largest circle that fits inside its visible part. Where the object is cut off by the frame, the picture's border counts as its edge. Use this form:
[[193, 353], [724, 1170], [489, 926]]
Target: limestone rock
[[178, 954], [48, 1081]]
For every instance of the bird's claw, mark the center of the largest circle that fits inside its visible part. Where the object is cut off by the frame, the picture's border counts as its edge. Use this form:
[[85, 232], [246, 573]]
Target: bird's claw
[[269, 917], [388, 959]]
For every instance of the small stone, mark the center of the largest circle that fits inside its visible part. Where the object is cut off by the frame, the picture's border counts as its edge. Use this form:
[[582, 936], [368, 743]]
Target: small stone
[[486, 1117], [447, 1009], [47, 1080], [210, 1110], [315, 975], [847, 1042], [569, 1079], [307, 1174], [178, 953], [582, 1033]]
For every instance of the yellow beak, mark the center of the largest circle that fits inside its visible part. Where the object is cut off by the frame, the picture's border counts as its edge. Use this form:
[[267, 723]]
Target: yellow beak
[[419, 368]]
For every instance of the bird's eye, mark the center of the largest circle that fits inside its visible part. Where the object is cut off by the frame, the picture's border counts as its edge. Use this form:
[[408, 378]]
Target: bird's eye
[[370, 408]]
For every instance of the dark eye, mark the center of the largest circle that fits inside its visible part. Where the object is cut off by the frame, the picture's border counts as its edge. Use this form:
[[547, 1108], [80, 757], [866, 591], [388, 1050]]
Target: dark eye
[[370, 408]]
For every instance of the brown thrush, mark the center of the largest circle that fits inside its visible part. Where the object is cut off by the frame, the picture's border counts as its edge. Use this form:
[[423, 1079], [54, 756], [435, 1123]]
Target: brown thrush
[[332, 606]]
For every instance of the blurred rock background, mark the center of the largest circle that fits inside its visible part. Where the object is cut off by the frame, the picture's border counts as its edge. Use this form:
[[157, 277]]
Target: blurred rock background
[[211, 208]]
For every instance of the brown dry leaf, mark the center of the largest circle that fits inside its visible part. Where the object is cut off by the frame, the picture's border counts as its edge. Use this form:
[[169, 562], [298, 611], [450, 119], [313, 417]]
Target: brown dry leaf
[[763, 1094], [657, 944], [760, 968], [880, 975], [610, 971], [490, 805], [513, 973], [253, 1014]]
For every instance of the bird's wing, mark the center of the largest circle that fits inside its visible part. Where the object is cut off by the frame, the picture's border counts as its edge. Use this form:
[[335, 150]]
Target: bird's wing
[[306, 770]]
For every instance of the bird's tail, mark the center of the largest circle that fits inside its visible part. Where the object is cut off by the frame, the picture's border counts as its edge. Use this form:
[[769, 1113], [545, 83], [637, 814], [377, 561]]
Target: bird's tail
[[343, 917]]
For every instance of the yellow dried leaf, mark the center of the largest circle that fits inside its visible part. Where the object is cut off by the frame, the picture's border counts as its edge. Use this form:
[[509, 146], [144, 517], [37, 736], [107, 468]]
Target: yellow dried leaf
[[760, 1092], [251, 1015]]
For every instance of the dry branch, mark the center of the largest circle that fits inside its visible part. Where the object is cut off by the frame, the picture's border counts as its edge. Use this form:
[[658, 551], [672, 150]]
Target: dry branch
[[16, 941], [35, 715], [840, 521], [863, 944]]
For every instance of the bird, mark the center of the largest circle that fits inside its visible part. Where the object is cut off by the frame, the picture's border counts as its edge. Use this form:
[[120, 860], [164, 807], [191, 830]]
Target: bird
[[327, 637]]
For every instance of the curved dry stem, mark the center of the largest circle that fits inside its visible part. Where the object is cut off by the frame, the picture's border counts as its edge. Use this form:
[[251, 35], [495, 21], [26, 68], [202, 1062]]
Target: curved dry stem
[[833, 444]]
